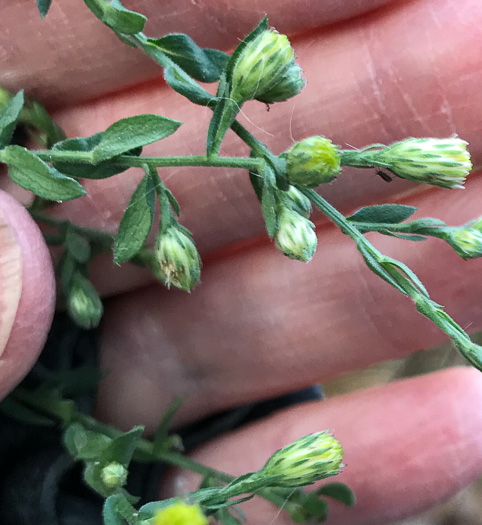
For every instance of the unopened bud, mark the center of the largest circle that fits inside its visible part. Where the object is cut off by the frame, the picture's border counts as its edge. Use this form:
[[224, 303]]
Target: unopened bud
[[295, 236], [83, 302], [466, 242], [180, 513], [179, 262], [313, 161], [266, 70], [440, 162], [306, 460], [114, 475], [296, 201]]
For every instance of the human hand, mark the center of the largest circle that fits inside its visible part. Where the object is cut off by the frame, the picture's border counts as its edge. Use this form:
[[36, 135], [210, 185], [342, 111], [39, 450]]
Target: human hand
[[260, 325]]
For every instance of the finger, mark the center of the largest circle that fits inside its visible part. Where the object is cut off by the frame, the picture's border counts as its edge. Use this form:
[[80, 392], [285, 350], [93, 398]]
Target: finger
[[26, 292], [356, 75], [82, 59], [260, 325], [407, 445]]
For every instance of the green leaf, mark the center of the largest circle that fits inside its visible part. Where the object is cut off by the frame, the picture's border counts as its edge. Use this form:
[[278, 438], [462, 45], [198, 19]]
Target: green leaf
[[31, 173], [162, 432], [136, 221], [256, 180], [116, 16], [40, 126], [262, 26], [173, 202], [268, 201], [122, 448], [405, 237], [378, 269], [132, 132], [205, 65], [9, 114], [110, 512], [78, 246], [383, 213], [84, 444], [225, 518], [409, 274], [43, 6], [338, 491], [183, 84], [102, 170]]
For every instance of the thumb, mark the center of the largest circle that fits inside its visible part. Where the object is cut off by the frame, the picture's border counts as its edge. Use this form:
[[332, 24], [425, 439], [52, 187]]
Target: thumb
[[27, 292]]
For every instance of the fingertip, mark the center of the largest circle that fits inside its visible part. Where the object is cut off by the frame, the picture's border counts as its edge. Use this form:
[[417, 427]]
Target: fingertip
[[27, 292]]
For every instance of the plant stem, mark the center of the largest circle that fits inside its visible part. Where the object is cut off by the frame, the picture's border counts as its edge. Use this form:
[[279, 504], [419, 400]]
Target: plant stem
[[82, 157], [396, 274], [93, 235]]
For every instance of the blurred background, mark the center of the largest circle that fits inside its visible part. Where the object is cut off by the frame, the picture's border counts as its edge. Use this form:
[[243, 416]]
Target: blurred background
[[466, 507]]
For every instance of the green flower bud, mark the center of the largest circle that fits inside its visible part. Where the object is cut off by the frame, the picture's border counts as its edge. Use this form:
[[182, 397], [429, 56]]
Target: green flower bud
[[83, 302], [296, 201], [180, 513], [295, 236], [266, 70], [114, 475], [313, 161], [5, 96], [440, 162], [179, 262], [306, 460], [466, 242]]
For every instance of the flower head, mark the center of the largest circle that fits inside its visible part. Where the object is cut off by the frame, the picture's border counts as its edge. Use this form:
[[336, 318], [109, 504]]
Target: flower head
[[440, 162], [178, 259], [466, 242], [114, 475], [180, 513], [295, 236], [306, 460], [83, 302], [266, 70], [296, 201], [313, 161]]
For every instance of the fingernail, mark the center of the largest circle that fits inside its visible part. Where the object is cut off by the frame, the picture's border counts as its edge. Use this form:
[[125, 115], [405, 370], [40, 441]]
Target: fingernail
[[10, 280]]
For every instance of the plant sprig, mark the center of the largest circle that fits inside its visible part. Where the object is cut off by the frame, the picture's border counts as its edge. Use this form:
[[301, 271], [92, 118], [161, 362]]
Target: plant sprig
[[263, 68]]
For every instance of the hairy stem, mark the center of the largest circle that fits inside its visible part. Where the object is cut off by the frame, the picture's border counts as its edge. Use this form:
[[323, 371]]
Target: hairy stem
[[82, 157]]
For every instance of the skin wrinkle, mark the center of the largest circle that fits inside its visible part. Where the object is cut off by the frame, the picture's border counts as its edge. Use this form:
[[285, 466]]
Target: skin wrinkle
[[378, 103]]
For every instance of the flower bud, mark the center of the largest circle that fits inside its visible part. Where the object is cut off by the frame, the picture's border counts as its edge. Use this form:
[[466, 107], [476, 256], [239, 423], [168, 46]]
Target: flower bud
[[440, 162], [5, 96], [114, 475], [466, 242], [313, 161], [306, 460], [266, 70], [179, 262], [83, 302], [180, 514], [295, 236], [296, 201]]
